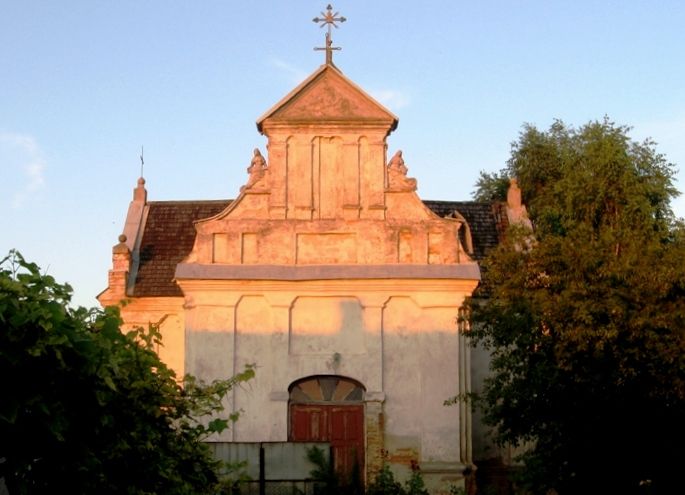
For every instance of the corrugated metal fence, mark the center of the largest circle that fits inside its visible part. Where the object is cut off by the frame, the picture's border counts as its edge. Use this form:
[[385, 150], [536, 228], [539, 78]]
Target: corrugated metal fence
[[272, 468]]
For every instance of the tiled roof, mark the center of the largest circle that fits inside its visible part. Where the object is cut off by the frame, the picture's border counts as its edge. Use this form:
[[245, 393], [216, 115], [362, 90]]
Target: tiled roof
[[169, 236], [480, 218]]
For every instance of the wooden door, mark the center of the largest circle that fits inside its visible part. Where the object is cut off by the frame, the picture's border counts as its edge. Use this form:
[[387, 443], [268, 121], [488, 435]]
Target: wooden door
[[340, 425]]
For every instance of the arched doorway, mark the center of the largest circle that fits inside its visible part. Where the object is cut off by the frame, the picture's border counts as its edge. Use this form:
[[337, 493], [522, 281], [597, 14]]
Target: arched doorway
[[330, 409]]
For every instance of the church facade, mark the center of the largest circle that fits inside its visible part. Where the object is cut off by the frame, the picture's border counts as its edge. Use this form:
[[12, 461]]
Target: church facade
[[331, 276]]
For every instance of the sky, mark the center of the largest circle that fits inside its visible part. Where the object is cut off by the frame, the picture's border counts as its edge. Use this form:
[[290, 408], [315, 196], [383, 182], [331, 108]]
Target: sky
[[85, 83]]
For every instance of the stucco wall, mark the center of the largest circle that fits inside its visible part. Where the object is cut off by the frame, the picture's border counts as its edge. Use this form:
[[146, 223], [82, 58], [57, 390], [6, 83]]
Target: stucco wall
[[169, 316], [398, 338]]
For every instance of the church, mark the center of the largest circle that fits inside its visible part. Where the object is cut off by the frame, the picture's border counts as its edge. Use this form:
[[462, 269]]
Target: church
[[331, 276]]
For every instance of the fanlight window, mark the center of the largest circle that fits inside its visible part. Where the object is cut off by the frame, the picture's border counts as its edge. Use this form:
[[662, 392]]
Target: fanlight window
[[326, 389]]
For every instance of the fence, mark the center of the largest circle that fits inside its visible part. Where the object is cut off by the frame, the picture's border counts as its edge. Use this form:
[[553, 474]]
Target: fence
[[279, 487], [273, 468]]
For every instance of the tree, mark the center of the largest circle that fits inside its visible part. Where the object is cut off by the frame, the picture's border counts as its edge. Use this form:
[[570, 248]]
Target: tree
[[86, 408], [491, 186], [585, 316]]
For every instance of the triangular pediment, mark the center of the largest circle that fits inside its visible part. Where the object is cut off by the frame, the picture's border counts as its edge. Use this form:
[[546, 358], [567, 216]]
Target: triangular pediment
[[327, 96]]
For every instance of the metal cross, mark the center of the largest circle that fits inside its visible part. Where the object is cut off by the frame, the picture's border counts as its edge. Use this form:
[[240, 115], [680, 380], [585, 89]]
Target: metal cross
[[329, 19], [142, 161]]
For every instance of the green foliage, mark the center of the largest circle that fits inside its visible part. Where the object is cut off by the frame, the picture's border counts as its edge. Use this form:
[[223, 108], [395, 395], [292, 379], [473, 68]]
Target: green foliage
[[89, 409], [585, 316], [324, 471], [231, 475], [414, 485], [456, 490], [385, 484], [331, 481], [491, 186]]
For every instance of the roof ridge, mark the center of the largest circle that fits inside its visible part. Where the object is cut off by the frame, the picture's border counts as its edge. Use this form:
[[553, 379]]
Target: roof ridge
[[182, 201]]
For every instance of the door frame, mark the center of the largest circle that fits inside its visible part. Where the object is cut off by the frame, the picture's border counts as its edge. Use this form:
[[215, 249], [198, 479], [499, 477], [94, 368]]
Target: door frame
[[328, 393]]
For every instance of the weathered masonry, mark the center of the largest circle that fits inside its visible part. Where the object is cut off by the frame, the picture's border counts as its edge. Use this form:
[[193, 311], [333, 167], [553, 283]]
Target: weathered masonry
[[330, 274]]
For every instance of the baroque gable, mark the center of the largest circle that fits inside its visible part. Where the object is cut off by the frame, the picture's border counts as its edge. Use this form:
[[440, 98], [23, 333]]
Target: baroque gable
[[328, 97], [328, 195]]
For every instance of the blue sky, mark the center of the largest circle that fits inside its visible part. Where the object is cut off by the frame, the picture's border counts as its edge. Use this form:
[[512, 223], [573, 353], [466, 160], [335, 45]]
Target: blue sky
[[83, 84]]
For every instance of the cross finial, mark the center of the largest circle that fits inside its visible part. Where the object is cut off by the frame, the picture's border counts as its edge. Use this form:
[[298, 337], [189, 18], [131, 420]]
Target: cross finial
[[142, 161], [329, 19]]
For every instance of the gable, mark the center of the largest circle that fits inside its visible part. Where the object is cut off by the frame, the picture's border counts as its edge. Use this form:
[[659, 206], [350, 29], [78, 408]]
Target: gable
[[327, 96], [169, 234]]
